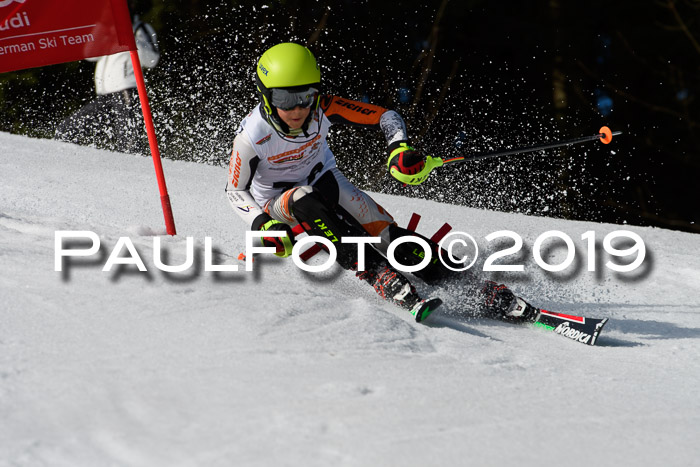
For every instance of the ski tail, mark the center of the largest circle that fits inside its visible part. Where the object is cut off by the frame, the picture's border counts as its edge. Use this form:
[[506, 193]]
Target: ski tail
[[424, 308], [577, 328]]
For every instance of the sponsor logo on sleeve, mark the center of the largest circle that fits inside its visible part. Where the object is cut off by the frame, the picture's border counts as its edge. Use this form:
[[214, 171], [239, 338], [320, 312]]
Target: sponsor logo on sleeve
[[235, 196], [234, 169], [356, 107]]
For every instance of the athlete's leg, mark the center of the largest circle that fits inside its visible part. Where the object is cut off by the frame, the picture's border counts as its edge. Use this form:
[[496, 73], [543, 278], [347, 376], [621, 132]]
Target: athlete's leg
[[317, 212], [377, 222]]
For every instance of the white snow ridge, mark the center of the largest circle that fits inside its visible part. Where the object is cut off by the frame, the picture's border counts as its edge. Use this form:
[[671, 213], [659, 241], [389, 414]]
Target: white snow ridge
[[279, 368]]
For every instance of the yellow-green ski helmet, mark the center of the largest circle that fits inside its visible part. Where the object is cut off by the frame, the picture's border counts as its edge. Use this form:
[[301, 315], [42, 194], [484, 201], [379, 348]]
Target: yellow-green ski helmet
[[291, 67]]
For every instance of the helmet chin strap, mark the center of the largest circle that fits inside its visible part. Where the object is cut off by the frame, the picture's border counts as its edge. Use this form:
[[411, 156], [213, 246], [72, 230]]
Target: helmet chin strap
[[307, 123]]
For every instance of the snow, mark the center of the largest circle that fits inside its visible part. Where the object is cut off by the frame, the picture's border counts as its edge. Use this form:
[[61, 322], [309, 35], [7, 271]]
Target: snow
[[278, 367]]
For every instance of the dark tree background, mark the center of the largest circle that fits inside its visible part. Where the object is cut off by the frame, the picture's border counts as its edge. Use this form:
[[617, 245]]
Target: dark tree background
[[468, 76]]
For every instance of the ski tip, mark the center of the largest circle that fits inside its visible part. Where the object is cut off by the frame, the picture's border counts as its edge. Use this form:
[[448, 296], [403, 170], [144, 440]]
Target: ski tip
[[577, 328], [598, 328], [425, 308], [605, 135]]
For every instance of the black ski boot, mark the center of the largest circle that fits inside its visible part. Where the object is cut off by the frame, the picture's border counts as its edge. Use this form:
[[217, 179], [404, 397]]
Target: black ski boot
[[498, 300], [316, 218], [396, 288]]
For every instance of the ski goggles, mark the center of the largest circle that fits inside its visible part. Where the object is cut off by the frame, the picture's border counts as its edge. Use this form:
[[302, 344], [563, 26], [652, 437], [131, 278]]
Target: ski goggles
[[287, 99]]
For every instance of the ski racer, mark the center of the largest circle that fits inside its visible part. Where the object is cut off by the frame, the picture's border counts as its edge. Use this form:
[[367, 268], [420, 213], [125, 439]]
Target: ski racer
[[282, 173]]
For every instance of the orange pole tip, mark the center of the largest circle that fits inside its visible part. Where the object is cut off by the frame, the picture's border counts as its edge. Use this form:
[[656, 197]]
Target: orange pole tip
[[605, 135]]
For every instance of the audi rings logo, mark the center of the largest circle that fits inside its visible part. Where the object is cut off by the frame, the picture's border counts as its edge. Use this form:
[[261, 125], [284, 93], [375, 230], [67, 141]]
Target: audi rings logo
[[4, 3]]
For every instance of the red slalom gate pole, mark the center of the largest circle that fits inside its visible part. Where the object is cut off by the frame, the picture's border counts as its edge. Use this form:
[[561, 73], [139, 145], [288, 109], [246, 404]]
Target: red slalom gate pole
[[153, 143]]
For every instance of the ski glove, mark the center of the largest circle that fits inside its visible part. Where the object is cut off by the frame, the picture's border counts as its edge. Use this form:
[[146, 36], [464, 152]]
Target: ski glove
[[283, 245], [408, 165]]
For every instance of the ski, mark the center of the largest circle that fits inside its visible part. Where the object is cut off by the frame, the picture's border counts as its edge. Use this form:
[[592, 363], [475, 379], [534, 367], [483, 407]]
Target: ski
[[424, 308], [576, 328]]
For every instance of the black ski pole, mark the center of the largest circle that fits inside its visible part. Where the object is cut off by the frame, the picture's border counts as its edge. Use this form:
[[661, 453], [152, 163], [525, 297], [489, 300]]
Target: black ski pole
[[432, 162], [604, 135]]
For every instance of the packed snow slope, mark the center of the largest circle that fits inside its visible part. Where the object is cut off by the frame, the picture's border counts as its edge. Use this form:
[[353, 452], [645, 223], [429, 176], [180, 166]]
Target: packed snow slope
[[278, 367]]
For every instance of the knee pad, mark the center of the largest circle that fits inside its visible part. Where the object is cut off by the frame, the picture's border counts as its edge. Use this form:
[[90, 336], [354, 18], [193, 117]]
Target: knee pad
[[300, 192], [306, 204], [317, 218], [411, 254]]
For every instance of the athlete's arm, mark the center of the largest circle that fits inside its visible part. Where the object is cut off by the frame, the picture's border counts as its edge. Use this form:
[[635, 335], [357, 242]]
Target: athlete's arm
[[241, 170], [355, 113]]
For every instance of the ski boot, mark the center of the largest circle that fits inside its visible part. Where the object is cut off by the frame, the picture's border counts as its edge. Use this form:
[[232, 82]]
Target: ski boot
[[498, 300], [393, 286]]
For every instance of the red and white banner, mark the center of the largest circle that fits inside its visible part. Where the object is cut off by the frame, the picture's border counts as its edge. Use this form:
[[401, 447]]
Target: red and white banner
[[45, 32]]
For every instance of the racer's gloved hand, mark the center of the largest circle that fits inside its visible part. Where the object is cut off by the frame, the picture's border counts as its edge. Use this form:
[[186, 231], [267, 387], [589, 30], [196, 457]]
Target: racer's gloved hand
[[408, 165], [283, 245], [405, 159]]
